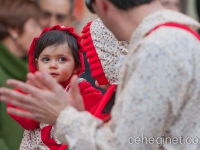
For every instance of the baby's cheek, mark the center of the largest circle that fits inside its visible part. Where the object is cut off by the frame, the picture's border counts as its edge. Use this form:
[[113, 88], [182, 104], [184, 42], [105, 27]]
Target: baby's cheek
[[66, 74]]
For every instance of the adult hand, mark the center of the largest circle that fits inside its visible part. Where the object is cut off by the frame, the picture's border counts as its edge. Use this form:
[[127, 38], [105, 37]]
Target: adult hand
[[43, 104], [75, 99]]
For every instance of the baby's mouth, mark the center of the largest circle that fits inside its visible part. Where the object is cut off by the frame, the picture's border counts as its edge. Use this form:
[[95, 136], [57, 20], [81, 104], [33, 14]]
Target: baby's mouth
[[54, 74]]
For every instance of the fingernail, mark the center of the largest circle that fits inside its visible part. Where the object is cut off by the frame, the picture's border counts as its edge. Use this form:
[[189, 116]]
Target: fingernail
[[8, 81], [1, 90], [8, 110], [3, 98]]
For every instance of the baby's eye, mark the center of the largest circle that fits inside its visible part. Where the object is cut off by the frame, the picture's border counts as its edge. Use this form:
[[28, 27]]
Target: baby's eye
[[61, 59], [45, 59]]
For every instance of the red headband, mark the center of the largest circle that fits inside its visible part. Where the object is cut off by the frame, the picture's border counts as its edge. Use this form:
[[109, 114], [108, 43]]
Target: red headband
[[31, 65]]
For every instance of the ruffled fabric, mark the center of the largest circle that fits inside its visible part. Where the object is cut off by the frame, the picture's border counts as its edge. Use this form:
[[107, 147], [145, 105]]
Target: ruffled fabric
[[105, 55], [91, 54], [104, 52]]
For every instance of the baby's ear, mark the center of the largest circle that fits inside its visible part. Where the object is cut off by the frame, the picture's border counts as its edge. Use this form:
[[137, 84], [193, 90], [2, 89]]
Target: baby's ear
[[77, 69], [36, 63]]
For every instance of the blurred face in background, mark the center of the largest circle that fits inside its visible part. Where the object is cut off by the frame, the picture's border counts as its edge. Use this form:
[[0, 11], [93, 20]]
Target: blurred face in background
[[31, 29], [172, 4], [55, 12], [19, 25]]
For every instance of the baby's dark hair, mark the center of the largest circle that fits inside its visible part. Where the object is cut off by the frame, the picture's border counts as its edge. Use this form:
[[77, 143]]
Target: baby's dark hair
[[55, 38]]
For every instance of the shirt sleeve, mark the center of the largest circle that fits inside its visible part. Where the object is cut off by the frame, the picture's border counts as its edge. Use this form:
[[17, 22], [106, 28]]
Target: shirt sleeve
[[152, 82]]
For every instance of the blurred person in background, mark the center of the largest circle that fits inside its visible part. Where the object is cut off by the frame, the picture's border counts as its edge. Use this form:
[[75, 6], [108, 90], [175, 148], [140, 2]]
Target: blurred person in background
[[62, 12], [56, 12], [172, 4], [18, 27]]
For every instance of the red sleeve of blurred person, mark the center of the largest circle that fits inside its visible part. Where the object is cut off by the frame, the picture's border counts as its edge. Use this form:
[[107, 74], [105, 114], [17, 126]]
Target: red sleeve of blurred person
[[26, 123]]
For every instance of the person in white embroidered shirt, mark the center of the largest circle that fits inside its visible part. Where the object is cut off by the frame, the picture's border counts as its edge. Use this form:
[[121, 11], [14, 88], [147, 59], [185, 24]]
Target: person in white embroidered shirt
[[157, 101]]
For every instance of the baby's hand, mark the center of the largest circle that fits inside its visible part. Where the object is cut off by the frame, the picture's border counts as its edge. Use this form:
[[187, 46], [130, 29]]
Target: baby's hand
[[76, 99]]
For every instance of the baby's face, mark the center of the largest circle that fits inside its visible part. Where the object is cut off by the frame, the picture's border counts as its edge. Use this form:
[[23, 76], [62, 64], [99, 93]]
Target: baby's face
[[58, 61]]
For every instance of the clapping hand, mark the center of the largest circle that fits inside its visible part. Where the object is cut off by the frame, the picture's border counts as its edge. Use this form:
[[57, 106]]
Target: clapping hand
[[45, 100]]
